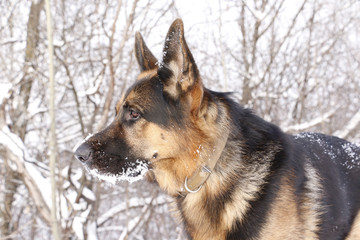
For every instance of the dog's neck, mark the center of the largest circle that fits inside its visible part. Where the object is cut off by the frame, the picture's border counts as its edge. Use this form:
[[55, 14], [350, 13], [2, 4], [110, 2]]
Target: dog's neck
[[210, 157], [250, 179]]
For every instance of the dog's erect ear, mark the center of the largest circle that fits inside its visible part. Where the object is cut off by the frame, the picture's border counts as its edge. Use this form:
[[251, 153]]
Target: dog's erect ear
[[184, 77], [145, 58]]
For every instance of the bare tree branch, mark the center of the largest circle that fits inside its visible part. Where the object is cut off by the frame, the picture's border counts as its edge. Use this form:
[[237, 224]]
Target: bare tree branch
[[351, 125]]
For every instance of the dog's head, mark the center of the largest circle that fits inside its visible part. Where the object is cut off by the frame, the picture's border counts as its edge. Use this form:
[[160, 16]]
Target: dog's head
[[164, 122]]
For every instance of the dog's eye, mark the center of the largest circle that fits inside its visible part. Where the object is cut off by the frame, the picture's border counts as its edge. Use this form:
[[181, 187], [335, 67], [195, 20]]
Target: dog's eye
[[133, 115]]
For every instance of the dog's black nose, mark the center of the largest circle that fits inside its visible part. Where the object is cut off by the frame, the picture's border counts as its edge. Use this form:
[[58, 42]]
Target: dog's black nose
[[83, 152]]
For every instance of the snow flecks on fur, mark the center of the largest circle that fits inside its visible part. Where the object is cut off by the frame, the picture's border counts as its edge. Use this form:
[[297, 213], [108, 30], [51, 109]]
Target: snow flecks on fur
[[315, 138], [351, 150], [354, 158], [159, 64], [132, 173]]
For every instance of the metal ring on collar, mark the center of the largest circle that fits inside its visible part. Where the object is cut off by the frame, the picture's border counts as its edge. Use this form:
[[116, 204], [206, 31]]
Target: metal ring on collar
[[188, 189]]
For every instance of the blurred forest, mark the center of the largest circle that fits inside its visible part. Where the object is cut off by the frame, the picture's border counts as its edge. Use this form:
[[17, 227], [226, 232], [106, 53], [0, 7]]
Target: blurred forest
[[296, 63]]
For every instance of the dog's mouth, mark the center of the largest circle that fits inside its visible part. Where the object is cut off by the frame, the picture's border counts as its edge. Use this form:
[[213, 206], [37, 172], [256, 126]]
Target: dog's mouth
[[110, 166], [131, 172]]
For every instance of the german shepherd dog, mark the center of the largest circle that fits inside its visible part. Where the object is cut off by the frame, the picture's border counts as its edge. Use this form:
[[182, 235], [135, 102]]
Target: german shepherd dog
[[232, 174]]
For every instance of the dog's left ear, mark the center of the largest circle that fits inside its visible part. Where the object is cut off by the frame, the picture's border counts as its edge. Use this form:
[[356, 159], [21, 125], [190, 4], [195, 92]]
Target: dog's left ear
[[183, 77], [144, 56]]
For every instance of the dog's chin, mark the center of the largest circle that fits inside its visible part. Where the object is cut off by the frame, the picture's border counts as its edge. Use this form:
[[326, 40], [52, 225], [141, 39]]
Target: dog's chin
[[131, 172]]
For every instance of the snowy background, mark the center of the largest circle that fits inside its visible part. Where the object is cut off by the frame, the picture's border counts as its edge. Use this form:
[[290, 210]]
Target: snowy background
[[296, 63]]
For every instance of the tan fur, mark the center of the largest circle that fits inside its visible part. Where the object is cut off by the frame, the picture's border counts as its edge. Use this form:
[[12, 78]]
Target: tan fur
[[195, 213], [147, 74], [355, 230], [293, 221], [176, 150], [252, 179], [283, 216], [311, 203], [170, 86], [176, 158], [194, 205]]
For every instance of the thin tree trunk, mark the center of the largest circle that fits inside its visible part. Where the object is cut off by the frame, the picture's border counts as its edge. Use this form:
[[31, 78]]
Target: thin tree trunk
[[52, 143], [32, 39]]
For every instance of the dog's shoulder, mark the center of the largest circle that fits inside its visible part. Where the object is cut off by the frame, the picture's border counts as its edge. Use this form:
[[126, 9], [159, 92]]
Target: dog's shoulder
[[324, 149], [336, 163]]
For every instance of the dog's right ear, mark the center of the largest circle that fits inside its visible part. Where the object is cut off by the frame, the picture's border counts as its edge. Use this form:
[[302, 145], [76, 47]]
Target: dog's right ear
[[179, 72], [145, 58]]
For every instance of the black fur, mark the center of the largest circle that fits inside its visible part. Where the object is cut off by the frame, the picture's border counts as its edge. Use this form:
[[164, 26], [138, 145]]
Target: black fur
[[338, 164]]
